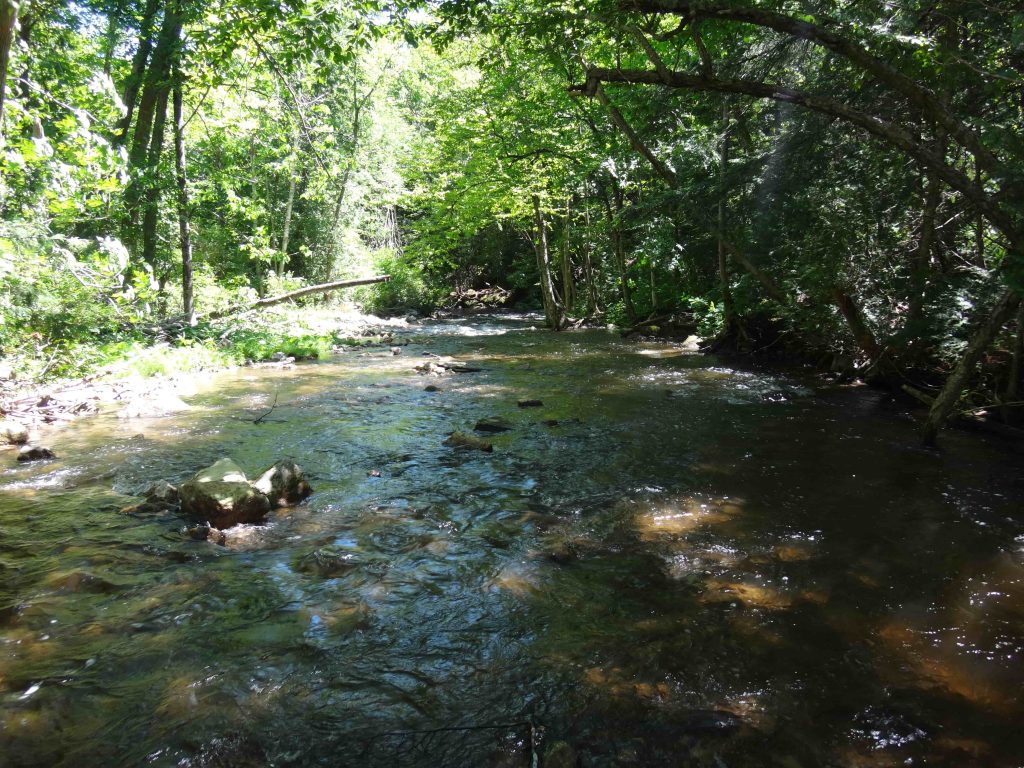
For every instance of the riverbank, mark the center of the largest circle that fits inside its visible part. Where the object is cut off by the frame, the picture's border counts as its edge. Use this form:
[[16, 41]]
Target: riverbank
[[150, 378]]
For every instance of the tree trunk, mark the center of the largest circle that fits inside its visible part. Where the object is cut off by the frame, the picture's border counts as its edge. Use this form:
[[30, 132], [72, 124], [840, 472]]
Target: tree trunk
[[151, 193], [948, 397], [588, 266], [143, 191], [27, 20], [183, 214], [635, 141], [8, 19], [1010, 413], [287, 227], [862, 335], [979, 225], [921, 259], [769, 285], [110, 38], [802, 28], [552, 311], [155, 87], [290, 296], [889, 133], [139, 62], [618, 247], [568, 284], [723, 264]]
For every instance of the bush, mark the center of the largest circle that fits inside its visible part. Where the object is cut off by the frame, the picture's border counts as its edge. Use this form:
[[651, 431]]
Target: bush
[[406, 289]]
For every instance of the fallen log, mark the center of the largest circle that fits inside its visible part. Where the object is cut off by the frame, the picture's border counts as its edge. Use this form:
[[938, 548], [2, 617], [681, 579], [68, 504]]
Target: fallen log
[[307, 291], [280, 299]]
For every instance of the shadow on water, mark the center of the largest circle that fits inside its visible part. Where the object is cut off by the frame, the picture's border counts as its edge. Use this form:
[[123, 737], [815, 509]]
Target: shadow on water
[[670, 562]]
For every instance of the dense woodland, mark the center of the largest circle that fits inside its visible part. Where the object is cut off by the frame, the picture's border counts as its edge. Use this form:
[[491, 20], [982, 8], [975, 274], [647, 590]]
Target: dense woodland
[[841, 183]]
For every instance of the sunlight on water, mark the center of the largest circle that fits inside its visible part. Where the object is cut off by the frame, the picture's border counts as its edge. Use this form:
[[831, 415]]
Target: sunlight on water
[[667, 561]]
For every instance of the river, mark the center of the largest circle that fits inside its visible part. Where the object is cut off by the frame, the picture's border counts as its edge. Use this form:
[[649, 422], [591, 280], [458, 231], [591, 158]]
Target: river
[[672, 561]]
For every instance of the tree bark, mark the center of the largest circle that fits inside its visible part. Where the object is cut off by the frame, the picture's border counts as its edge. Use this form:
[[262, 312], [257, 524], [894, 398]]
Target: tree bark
[[854, 317], [139, 62], [183, 214], [568, 283], [951, 391], [151, 193], [553, 312], [588, 266], [110, 41], [148, 136], [8, 19], [290, 296], [728, 312], [979, 226], [287, 227], [920, 264], [670, 178], [614, 216], [770, 286], [1009, 415]]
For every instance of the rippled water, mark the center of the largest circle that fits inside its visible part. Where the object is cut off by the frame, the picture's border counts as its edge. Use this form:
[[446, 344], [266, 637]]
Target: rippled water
[[671, 562]]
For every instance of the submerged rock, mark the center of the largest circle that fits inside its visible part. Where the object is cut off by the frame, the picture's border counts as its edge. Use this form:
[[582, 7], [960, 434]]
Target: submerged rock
[[530, 403], [148, 508], [462, 440], [153, 407], [206, 533], [161, 496], [222, 496], [35, 453], [162, 491], [284, 484], [431, 388], [327, 563], [492, 424], [13, 432], [430, 367]]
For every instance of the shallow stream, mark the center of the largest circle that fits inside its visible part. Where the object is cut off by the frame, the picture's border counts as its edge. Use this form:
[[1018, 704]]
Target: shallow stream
[[670, 562]]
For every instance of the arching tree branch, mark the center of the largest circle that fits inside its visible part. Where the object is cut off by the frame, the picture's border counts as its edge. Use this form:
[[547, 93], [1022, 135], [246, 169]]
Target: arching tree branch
[[921, 97], [884, 130]]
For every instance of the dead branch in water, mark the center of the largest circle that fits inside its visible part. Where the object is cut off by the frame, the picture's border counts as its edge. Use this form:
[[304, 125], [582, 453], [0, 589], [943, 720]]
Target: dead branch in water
[[272, 407]]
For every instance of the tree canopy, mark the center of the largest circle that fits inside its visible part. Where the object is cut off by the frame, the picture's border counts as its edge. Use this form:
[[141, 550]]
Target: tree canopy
[[844, 182]]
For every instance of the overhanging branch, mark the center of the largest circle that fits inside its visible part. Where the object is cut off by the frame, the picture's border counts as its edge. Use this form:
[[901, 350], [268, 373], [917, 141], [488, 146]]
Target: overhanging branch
[[921, 97], [887, 132]]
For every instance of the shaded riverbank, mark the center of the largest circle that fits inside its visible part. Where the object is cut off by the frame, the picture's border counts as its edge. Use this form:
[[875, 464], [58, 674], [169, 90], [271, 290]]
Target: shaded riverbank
[[668, 561]]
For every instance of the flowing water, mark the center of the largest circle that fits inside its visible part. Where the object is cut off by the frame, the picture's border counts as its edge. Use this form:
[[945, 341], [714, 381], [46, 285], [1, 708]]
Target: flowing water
[[670, 562]]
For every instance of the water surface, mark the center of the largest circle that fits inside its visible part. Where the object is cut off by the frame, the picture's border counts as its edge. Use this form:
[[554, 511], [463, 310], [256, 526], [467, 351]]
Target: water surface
[[671, 562]]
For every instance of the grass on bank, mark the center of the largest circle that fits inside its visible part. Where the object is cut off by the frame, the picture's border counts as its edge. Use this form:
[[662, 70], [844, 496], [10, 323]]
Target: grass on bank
[[289, 331]]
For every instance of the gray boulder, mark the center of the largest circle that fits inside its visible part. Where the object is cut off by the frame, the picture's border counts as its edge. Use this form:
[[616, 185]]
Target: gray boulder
[[35, 453], [284, 484], [13, 432], [222, 496]]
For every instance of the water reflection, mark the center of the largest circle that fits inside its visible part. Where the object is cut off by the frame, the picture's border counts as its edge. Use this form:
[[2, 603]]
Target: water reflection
[[670, 562]]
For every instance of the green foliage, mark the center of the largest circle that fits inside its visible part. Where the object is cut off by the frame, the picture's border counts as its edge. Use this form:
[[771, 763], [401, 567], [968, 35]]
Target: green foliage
[[710, 317], [407, 287], [447, 143]]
